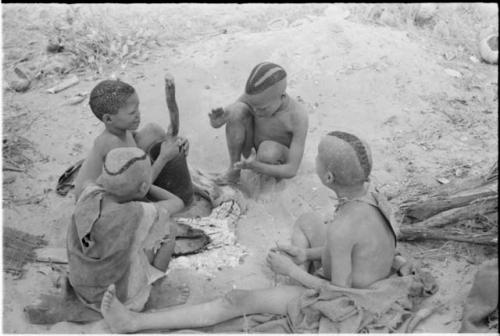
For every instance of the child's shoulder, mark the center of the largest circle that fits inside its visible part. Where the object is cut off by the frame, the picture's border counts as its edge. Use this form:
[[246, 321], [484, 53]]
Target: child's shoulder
[[107, 141]]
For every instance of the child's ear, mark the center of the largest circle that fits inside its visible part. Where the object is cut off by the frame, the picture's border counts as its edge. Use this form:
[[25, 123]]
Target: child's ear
[[106, 118], [330, 178], [144, 188]]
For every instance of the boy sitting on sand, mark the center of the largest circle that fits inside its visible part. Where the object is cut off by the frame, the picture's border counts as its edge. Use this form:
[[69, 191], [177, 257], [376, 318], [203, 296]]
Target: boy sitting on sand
[[267, 119], [114, 238], [116, 104], [356, 249]]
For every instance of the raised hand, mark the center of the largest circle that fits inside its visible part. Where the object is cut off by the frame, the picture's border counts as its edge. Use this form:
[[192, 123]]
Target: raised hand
[[217, 117]]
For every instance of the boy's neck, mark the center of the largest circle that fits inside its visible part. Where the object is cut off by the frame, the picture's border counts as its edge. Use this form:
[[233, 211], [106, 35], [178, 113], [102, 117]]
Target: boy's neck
[[347, 193], [119, 132]]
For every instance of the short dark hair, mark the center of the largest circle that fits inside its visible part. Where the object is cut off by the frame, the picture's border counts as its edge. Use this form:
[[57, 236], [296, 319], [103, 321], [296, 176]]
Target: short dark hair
[[358, 147], [109, 96]]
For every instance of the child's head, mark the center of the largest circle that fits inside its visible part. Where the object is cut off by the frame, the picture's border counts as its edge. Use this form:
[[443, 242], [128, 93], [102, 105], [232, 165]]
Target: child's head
[[126, 173], [116, 104], [343, 160], [265, 88]]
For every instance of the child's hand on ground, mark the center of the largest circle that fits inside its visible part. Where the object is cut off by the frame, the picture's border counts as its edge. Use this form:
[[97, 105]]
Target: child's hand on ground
[[297, 254], [247, 163], [217, 117], [280, 263]]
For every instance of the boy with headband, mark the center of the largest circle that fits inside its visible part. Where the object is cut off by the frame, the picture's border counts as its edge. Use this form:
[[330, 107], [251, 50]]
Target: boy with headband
[[267, 119], [114, 238]]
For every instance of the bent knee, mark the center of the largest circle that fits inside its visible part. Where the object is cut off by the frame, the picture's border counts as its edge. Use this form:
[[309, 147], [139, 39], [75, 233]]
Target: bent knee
[[307, 220], [148, 135], [272, 152]]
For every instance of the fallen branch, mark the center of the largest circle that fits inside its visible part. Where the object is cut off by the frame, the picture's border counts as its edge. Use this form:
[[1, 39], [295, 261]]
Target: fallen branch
[[476, 207], [412, 233]]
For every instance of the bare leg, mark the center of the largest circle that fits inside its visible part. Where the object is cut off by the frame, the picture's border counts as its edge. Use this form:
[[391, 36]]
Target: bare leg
[[309, 231], [234, 304], [239, 137]]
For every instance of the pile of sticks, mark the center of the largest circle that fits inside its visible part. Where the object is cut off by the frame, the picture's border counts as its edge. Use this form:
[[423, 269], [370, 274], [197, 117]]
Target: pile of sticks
[[465, 211]]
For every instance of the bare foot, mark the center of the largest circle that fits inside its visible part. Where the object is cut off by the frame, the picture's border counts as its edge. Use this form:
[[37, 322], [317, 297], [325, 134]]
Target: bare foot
[[218, 117], [231, 176], [116, 315]]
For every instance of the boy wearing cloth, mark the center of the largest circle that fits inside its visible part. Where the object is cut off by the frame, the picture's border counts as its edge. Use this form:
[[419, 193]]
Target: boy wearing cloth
[[114, 238], [267, 119], [356, 250], [116, 104]]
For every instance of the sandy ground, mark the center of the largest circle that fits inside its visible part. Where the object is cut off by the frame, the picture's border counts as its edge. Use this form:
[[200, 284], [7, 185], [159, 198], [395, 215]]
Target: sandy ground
[[384, 84]]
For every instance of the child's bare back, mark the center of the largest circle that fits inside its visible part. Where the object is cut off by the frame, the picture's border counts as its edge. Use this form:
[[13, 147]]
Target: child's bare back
[[359, 229]]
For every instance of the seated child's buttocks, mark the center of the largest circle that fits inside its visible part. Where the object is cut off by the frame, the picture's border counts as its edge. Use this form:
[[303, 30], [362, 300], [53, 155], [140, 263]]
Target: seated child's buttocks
[[112, 234]]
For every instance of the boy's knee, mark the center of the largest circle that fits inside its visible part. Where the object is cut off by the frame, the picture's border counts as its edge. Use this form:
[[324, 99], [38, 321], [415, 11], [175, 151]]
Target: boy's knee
[[307, 220], [271, 152], [148, 135]]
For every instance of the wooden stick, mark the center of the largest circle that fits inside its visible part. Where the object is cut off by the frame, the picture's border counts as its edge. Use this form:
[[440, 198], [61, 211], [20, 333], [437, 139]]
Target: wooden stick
[[411, 233], [173, 110]]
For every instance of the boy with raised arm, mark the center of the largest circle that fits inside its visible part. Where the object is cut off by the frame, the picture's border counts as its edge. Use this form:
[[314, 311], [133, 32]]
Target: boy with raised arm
[[116, 104], [356, 249], [265, 124]]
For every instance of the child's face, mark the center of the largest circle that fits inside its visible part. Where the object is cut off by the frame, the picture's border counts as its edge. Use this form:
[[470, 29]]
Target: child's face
[[265, 109], [128, 116]]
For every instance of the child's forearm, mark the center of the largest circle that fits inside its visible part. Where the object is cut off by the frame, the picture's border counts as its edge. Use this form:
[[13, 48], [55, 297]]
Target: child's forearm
[[157, 166], [166, 199], [274, 170], [314, 253], [306, 279]]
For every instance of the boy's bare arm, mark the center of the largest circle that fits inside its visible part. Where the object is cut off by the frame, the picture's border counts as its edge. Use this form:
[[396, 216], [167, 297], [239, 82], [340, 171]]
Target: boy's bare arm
[[314, 253], [219, 116], [169, 149], [290, 168], [166, 199], [91, 168]]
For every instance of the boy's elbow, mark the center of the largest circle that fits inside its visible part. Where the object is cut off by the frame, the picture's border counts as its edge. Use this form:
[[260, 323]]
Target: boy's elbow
[[290, 172], [178, 205]]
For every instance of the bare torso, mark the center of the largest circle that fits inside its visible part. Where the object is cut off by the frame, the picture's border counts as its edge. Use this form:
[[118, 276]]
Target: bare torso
[[92, 167], [373, 246], [280, 127]]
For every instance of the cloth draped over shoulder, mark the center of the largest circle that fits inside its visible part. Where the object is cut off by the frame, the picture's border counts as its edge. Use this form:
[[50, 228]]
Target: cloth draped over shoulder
[[106, 243]]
